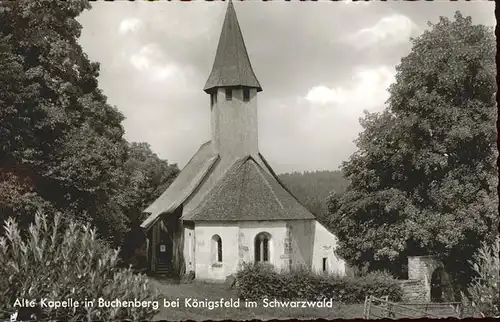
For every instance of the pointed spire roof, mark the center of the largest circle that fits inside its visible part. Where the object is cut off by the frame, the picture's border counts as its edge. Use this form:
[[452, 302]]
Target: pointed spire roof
[[231, 65]]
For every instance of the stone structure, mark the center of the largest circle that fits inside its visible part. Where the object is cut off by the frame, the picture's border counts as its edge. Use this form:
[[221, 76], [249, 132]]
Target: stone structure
[[415, 291], [227, 206], [427, 280], [422, 267]]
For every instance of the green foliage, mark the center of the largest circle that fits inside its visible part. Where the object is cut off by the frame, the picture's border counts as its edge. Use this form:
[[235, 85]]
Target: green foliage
[[423, 181], [54, 121], [484, 291], [257, 281], [313, 188], [147, 177], [61, 143], [355, 271], [60, 260]]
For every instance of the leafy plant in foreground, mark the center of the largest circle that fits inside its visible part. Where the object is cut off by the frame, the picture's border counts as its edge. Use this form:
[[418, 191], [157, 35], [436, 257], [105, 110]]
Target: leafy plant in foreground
[[61, 260], [485, 289]]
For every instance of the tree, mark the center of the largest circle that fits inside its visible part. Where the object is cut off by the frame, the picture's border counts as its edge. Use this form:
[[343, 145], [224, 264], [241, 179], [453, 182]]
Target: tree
[[61, 143], [423, 180], [148, 177]]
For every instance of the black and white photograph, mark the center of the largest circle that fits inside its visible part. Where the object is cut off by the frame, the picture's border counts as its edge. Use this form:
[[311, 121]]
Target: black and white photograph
[[248, 160]]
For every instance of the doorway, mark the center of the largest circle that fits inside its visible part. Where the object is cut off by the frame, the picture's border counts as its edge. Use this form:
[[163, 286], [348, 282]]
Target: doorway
[[164, 249], [441, 286]]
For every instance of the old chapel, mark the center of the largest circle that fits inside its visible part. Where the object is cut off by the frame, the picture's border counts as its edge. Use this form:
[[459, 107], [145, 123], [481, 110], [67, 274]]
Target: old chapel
[[227, 206]]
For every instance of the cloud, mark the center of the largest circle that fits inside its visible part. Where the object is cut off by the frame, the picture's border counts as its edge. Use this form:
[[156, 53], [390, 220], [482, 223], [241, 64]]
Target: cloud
[[155, 59], [322, 94], [140, 62], [129, 25], [368, 87], [389, 31], [147, 55], [321, 125], [151, 60]]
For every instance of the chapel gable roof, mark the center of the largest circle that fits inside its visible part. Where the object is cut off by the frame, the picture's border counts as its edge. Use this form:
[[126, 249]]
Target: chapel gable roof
[[248, 192], [184, 185]]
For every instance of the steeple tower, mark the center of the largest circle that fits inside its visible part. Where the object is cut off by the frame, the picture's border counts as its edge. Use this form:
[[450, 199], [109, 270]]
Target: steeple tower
[[233, 88], [231, 65]]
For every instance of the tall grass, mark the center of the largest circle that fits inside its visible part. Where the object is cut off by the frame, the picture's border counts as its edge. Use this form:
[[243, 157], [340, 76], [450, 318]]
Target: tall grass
[[484, 290]]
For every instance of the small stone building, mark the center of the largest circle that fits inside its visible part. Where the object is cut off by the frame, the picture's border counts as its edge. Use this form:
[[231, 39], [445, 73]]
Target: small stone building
[[227, 206], [427, 281]]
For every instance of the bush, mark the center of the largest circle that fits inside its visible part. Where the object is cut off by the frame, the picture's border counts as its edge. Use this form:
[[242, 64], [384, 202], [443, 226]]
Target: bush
[[355, 271], [257, 281], [61, 261], [484, 290]]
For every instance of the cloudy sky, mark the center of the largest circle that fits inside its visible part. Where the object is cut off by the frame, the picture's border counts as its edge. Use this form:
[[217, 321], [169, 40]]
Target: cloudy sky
[[320, 65]]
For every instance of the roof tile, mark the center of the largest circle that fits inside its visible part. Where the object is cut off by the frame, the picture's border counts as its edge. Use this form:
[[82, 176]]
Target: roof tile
[[231, 64], [248, 192]]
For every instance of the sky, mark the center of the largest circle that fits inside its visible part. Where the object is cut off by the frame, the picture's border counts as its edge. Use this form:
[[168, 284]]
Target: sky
[[320, 64]]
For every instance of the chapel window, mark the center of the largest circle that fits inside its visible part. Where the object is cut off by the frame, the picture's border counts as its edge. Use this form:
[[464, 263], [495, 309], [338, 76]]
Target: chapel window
[[262, 242], [213, 99], [324, 264], [217, 248], [246, 94], [229, 94]]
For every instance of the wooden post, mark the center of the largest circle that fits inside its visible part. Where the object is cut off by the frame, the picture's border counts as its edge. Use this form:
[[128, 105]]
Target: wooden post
[[148, 254], [365, 307], [368, 308], [390, 311], [385, 305], [154, 245]]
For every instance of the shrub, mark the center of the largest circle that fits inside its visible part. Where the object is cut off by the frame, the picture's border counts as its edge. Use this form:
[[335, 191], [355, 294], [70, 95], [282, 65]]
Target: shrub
[[484, 290], [61, 261], [257, 281], [355, 271]]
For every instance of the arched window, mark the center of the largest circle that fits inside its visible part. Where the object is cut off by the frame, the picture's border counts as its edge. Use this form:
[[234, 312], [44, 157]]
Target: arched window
[[217, 249], [262, 253]]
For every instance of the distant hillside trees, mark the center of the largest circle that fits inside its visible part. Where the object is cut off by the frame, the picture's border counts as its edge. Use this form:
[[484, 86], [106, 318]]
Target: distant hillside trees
[[61, 143], [424, 180], [313, 188]]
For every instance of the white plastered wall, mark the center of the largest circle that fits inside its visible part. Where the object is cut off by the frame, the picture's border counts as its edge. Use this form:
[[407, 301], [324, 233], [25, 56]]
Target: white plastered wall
[[325, 244], [238, 246]]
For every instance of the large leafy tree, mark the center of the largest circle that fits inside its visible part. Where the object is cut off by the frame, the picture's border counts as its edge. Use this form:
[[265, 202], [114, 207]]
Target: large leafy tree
[[423, 180], [148, 177], [61, 143], [55, 122]]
